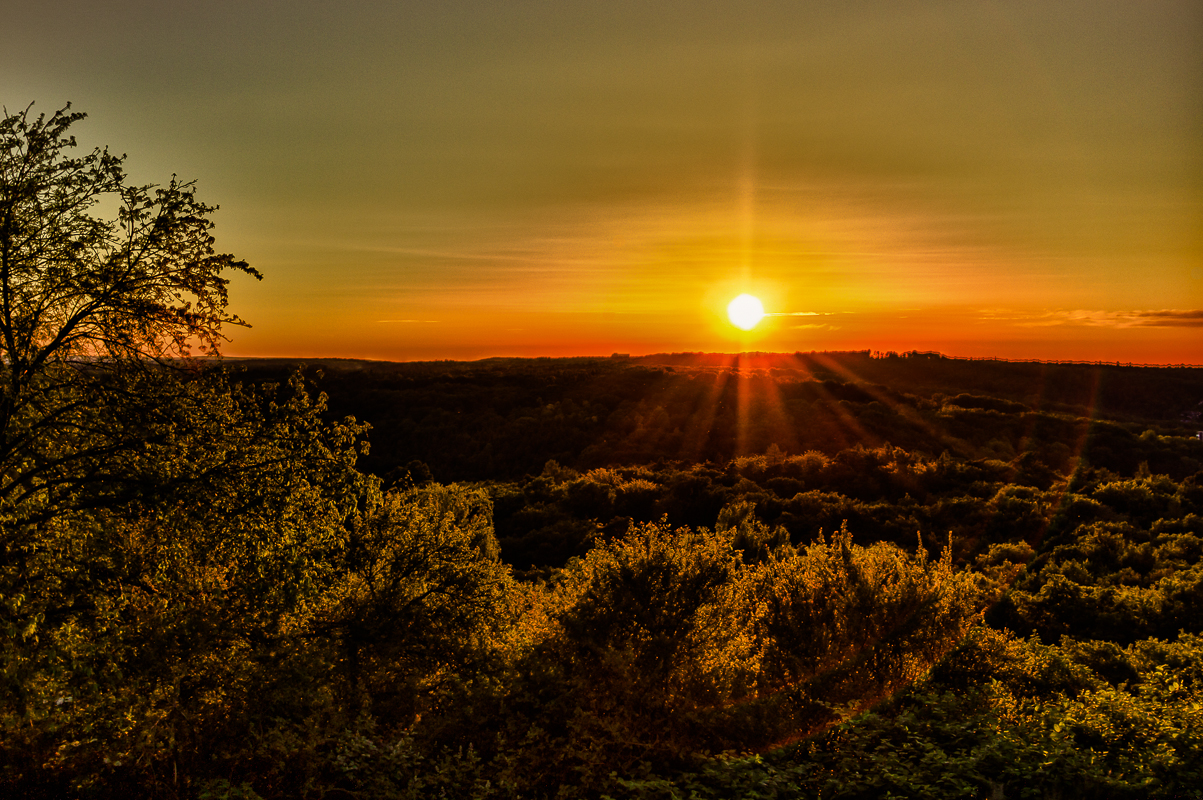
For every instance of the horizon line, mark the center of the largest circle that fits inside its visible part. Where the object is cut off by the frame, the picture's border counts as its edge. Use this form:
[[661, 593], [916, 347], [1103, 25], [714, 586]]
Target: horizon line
[[875, 355]]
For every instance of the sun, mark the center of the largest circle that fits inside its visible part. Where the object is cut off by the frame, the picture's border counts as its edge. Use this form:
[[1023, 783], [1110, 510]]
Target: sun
[[745, 312]]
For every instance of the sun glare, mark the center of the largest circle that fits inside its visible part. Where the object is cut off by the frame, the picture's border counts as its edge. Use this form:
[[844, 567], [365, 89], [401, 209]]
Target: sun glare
[[745, 312]]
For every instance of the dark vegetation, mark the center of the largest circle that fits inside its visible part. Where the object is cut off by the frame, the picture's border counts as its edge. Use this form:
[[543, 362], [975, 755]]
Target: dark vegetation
[[795, 576], [504, 418]]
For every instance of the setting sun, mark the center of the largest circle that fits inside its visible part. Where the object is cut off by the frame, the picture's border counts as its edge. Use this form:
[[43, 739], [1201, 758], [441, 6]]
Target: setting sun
[[745, 312]]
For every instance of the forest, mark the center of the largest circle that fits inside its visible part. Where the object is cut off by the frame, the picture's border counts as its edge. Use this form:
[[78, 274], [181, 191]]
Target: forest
[[808, 575]]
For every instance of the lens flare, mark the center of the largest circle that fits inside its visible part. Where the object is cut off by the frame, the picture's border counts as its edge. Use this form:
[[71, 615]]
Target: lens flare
[[745, 312]]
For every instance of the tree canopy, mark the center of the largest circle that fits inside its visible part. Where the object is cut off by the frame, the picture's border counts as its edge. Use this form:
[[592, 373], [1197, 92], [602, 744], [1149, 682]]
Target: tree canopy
[[145, 283], [84, 296]]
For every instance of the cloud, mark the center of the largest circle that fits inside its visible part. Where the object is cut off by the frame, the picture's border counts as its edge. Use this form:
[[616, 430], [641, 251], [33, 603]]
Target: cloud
[[800, 314], [1164, 318], [1171, 319]]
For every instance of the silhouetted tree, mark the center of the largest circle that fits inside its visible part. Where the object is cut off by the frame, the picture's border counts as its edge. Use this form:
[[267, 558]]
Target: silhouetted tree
[[85, 297]]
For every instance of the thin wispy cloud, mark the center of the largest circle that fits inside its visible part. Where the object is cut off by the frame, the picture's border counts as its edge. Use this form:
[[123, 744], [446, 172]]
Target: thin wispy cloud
[[799, 313], [1163, 318], [1172, 319]]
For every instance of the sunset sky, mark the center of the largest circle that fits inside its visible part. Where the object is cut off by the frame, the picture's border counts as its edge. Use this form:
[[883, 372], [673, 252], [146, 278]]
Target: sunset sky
[[461, 179]]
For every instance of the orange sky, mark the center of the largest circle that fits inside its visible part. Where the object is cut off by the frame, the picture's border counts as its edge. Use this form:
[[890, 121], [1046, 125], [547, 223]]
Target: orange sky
[[469, 179]]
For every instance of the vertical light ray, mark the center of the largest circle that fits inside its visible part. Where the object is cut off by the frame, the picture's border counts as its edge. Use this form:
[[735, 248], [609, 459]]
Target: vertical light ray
[[697, 435], [772, 412], [1077, 454], [743, 399], [747, 236]]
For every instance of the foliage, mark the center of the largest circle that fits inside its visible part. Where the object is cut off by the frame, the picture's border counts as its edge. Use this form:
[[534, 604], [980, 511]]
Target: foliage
[[421, 590], [240, 637], [664, 643], [160, 632], [856, 622], [82, 297]]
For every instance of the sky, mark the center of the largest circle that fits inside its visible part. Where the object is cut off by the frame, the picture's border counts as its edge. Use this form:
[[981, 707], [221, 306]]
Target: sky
[[467, 178]]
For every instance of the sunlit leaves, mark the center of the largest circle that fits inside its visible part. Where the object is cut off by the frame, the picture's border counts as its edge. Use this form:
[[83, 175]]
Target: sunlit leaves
[[669, 636], [420, 589]]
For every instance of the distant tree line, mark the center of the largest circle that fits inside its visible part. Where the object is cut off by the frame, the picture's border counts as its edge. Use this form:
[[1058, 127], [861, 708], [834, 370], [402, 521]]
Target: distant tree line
[[505, 418]]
